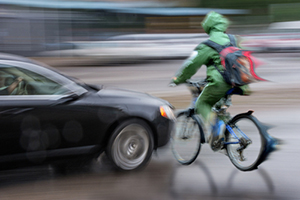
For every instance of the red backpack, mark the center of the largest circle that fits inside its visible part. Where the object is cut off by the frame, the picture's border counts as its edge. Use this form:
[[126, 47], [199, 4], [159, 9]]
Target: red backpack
[[239, 65]]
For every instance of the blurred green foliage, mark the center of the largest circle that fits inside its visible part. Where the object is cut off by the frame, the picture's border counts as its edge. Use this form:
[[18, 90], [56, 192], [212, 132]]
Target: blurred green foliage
[[273, 10], [284, 12], [243, 4]]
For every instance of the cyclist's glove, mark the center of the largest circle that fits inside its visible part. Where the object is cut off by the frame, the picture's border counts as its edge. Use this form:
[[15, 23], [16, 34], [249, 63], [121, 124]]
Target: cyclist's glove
[[172, 84]]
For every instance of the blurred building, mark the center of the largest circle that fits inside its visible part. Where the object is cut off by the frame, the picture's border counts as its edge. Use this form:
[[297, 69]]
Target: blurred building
[[31, 26]]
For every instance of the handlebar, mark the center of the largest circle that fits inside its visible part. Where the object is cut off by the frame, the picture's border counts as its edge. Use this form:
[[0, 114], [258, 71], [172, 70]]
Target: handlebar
[[196, 87]]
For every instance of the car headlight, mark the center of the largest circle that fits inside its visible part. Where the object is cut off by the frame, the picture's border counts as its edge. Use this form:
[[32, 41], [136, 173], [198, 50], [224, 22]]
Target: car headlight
[[167, 112]]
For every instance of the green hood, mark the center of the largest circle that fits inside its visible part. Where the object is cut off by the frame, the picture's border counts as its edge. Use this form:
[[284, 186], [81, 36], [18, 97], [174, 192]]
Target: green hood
[[214, 21]]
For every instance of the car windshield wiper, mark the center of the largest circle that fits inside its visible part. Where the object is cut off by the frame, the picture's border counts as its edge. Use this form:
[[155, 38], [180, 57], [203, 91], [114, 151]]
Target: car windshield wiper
[[94, 87], [67, 98]]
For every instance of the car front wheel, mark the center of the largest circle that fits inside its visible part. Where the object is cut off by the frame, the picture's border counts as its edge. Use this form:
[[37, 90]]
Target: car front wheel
[[131, 144]]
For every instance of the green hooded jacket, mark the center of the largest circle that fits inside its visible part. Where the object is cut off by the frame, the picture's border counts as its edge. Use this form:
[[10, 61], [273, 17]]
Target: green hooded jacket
[[215, 26]]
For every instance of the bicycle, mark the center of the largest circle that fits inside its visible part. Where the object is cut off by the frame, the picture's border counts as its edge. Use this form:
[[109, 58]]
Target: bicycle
[[245, 140]]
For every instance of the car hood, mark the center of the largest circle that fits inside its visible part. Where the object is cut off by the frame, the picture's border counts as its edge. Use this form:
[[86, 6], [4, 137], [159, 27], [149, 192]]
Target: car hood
[[130, 96]]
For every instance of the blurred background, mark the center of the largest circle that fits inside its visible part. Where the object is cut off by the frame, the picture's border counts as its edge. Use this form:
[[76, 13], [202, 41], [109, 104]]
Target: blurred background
[[139, 45], [100, 32]]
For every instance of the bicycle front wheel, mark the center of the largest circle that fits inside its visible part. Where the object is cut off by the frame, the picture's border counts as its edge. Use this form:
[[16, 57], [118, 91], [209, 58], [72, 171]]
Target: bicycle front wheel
[[186, 139], [246, 152]]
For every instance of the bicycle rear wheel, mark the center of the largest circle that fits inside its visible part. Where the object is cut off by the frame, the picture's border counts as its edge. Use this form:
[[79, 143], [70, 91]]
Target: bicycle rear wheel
[[186, 139], [245, 155]]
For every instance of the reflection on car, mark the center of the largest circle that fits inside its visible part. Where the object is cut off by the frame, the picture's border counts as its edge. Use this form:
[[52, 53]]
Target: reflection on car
[[49, 117]]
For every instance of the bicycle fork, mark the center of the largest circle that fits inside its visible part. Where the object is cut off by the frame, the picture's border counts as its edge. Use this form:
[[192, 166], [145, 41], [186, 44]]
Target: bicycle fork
[[184, 132], [244, 141]]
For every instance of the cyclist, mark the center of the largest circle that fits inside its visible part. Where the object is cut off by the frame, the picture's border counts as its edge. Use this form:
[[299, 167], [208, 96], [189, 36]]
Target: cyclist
[[215, 26]]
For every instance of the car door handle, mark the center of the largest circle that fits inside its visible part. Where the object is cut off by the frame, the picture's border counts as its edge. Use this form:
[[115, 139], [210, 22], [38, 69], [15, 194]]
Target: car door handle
[[14, 111]]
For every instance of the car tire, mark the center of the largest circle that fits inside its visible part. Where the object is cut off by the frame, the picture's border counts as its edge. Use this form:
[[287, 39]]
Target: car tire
[[131, 145]]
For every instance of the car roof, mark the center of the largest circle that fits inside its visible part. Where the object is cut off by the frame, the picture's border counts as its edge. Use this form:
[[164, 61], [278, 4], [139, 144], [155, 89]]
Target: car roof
[[5, 56], [12, 57]]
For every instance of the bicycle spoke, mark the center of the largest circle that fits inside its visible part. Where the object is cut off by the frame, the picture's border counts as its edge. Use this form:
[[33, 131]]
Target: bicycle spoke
[[245, 154], [186, 141]]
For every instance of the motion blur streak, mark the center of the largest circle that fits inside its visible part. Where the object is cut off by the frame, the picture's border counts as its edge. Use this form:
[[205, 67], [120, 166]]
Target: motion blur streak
[[138, 45]]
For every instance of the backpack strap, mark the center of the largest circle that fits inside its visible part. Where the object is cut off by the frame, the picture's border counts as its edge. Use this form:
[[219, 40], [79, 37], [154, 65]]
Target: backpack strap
[[214, 45], [232, 40], [218, 48]]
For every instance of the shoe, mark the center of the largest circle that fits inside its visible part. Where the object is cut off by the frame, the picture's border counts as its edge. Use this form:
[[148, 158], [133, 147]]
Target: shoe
[[218, 128], [217, 135]]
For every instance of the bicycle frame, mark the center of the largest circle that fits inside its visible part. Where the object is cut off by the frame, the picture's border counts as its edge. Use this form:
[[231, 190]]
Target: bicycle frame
[[234, 135], [220, 108], [240, 140]]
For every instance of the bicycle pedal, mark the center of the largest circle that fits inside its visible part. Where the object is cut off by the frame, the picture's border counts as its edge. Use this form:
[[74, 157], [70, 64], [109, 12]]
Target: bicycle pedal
[[222, 146], [218, 145]]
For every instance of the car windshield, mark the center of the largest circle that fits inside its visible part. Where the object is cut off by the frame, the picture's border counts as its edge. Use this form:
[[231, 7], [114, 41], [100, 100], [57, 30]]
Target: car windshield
[[32, 83], [75, 80]]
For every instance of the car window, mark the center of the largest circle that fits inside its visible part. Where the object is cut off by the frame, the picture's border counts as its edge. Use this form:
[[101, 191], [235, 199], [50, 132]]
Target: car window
[[19, 81], [5, 80]]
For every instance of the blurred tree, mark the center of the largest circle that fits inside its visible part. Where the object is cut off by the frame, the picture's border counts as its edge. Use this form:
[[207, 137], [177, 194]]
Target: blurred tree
[[257, 6], [262, 11], [284, 12], [245, 4]]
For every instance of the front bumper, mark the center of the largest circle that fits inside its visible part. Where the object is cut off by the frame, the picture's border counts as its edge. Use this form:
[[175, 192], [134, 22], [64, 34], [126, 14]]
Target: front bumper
[[164, 130]]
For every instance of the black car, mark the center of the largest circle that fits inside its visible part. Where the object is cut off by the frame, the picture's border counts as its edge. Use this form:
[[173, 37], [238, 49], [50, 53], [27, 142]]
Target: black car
[[46, 116]]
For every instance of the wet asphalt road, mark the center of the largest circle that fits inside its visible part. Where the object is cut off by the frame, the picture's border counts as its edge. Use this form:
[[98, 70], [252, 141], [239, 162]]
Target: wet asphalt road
[[212, 176]]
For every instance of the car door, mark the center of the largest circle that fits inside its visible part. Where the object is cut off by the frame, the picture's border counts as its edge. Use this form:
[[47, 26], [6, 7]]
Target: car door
[[42, 114]]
